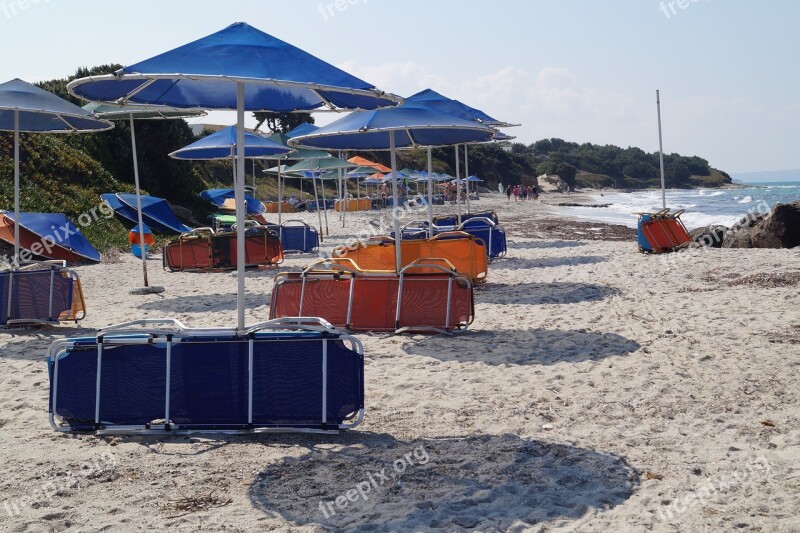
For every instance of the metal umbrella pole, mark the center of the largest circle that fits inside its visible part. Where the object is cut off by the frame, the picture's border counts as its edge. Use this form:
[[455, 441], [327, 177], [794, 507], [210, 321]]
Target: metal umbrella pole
[[395, 201], [316, 200], [147, 289], [466, 173], [430, 193], [458, 184], [324, 206], [280, 193]]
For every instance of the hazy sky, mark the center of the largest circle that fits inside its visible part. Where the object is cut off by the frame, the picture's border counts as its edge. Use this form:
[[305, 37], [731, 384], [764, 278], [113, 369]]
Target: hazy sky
[[585, 71]]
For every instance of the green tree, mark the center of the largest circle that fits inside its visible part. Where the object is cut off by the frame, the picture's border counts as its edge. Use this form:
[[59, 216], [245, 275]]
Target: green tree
[[282, 122]]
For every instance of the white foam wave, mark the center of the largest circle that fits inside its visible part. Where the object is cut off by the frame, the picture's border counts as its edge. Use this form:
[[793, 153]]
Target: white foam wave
[[746, 200]]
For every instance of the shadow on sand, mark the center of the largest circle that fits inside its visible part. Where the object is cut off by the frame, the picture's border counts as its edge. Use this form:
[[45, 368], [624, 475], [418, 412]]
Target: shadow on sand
[[523, 347], [483, 482], [542, 293]]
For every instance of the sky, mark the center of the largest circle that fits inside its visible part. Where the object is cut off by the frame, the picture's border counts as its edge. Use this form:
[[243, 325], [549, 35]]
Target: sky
[[582, 70]]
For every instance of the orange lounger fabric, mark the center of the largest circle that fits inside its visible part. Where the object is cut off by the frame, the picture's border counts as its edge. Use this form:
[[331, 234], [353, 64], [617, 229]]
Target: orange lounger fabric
[[464, 251], [424, 297]]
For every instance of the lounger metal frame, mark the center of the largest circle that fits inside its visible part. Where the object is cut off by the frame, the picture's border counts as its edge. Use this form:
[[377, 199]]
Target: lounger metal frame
[[130, 333], [658, 219], [56, 267], [307, 228], [208, 234], [345, 268]]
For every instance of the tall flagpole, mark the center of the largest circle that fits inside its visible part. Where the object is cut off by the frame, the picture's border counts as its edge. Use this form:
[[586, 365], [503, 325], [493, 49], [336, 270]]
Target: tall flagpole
[[661, 153]]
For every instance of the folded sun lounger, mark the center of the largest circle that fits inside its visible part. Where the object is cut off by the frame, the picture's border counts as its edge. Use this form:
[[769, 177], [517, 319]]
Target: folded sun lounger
[[297, 236], [426, 296], [203, 249], [40, 293], [662, 232], [491, 233], [452, 220], [297, 375], [465, 252]]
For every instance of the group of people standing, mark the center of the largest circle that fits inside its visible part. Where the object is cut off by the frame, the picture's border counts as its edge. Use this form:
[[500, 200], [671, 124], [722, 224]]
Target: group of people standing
[[451, 192], [522, 192]]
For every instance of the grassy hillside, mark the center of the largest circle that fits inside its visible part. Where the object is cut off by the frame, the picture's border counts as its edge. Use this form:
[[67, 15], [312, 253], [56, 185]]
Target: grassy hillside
[[57, 177]]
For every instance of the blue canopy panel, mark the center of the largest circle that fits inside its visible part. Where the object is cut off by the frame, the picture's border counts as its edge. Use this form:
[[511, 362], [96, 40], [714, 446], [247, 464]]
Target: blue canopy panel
[[42, 111], [56, 228], [439, 102], [222, 144], [218, 197], [303, 129], [413, 126], [277, 76], [156, 213]]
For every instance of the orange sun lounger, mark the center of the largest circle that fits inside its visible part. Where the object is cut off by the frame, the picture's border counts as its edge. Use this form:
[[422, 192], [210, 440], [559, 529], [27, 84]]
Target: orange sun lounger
[[202, 249], [465, 252], [426, 296], [662, 232]]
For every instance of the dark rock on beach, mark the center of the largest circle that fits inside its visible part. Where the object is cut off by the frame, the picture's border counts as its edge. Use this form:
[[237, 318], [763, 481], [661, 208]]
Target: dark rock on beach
[[780, 229], [709, 236], [740, 234]]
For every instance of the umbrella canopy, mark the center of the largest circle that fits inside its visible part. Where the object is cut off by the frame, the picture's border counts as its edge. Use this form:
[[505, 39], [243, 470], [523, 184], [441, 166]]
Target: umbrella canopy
[[327, 163], [403, 126], [43, 112], [205, 73], [473, 178], [222, 145], [239, 68], [218, 197], [363, 162], [412, 126], [432, 99], [25, 107], [361, 172], [141, 112]]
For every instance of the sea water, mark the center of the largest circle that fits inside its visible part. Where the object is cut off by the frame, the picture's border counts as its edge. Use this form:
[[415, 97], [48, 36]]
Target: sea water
[[703, 206]]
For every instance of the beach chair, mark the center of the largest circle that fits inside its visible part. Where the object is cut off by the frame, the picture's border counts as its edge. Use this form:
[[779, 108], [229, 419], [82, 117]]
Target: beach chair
[[297, 237], [204, 249], [452, 220], [427, 296], [465, 252], [492, 234], [40, 293], [273, 207], [289, 375], [662, 232]]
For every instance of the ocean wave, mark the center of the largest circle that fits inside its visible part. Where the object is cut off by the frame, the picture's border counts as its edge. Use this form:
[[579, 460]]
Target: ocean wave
[[746, 200]]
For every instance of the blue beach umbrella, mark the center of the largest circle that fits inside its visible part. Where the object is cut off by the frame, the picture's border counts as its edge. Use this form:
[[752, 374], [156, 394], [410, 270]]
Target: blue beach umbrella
[[25, 107], [241, 68], [434, 100], [405, 126], [222, 145]]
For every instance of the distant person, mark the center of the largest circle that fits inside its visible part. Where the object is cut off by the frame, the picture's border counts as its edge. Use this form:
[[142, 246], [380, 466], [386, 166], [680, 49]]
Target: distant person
[[508, 192]]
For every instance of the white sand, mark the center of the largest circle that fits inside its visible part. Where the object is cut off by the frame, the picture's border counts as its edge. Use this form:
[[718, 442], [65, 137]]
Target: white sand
[[598, 390]]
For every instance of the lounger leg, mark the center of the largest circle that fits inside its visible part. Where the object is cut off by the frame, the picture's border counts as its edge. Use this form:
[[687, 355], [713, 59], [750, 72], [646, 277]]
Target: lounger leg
[[97, 384], [250, 346], [50, 304], [449, 300], [169, 384], [324, 383]]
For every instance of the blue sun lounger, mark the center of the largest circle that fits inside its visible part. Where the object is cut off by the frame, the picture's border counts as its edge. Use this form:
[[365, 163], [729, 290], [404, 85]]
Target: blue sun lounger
[[40, 293], [297, 236], [287, 375]]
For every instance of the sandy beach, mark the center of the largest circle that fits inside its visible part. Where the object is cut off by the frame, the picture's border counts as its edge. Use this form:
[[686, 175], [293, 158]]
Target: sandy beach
[[598, 389]]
